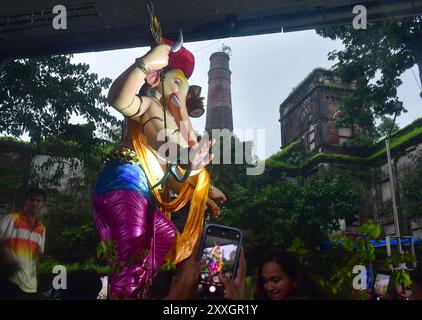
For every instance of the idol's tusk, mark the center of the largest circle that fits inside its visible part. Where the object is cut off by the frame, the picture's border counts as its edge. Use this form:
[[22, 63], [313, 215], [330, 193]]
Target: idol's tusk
[[176, 101], [178, 44]]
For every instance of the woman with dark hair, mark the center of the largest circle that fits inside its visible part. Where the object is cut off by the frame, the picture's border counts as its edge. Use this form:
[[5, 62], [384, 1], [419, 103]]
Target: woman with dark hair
[[282, 277]]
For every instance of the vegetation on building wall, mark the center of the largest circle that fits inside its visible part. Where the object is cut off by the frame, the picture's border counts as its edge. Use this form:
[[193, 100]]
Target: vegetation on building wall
[[411, 189], [400, 140]]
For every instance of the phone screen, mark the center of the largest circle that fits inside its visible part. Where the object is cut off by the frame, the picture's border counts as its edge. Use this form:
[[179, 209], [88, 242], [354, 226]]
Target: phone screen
[[381, 284], [220, 252]]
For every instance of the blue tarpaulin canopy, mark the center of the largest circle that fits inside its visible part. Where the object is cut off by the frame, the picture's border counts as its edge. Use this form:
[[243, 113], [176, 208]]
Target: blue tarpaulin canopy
[[380, 243]]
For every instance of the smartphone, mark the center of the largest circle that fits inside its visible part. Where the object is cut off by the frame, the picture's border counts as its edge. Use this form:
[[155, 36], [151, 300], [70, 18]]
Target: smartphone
[[382, 281], [220, 250]]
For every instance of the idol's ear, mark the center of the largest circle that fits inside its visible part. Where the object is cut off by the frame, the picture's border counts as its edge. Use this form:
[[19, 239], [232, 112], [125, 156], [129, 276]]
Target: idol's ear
[[194, 102], [153, 78]]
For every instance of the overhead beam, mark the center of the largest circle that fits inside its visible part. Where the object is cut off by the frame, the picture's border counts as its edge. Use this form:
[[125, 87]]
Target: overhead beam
[[98, 25]]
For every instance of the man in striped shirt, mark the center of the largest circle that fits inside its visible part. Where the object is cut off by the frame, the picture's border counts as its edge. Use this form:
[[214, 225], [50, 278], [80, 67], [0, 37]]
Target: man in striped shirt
[[24, 235]]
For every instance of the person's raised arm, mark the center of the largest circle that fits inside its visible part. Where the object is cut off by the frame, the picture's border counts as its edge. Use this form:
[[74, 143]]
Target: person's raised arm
[[235, 289], [185, 282]]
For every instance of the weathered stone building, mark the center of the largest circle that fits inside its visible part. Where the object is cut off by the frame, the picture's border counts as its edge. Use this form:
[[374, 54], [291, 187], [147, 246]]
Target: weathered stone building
[[308, 116], [310, 111]]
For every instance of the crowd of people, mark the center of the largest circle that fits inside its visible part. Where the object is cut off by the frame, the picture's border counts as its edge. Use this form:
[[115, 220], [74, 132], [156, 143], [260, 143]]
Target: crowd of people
[[131, 204], [280, 275]]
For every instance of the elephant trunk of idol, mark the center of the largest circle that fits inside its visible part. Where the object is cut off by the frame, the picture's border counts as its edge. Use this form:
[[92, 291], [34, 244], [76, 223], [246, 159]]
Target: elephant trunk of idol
[[177, 106]]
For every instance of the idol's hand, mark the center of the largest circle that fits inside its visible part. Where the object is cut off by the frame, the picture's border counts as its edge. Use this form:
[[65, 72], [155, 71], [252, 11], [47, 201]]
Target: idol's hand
[[157, 58], [199, 155], [217, 195], [193, 96], [215, 209], [195, 102], [195, 106]]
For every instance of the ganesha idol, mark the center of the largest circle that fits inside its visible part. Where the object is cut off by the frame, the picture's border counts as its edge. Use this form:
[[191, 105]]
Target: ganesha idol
[[131, 202]]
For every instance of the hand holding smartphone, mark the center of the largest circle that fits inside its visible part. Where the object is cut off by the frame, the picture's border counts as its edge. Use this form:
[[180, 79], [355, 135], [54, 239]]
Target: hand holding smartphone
[[220, 250]]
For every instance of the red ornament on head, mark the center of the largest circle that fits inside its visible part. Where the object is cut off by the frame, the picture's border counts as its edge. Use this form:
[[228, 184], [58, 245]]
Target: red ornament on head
[[182, 59]]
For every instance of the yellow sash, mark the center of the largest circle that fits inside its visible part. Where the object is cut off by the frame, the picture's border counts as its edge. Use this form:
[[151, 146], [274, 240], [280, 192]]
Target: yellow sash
[[195, 189]]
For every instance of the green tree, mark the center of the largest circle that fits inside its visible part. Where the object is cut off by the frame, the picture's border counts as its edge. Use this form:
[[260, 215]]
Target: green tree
[[226, 175], [375, 58], [38, 96], [71, 232], [332, 264], [308, 208], [366, 140], [386, 127]]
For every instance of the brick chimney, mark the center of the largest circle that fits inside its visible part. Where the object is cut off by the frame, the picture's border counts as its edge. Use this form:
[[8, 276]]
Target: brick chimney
[[219, 101]]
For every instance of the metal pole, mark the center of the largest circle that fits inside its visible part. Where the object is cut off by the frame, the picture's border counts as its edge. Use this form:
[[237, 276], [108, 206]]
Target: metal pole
[[393, 192]]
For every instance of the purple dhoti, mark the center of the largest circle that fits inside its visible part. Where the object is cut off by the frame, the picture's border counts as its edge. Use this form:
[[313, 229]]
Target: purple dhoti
[[125, 212]]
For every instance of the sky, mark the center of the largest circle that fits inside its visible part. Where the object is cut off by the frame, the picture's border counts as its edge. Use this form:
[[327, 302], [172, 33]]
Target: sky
[[265, 69]]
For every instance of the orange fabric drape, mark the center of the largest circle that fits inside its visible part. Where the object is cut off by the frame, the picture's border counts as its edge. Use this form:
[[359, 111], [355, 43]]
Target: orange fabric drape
[[194, 191]]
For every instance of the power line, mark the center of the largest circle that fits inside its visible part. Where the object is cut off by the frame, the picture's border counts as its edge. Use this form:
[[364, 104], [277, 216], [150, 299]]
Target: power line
[[208, 45], [416, 79]]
